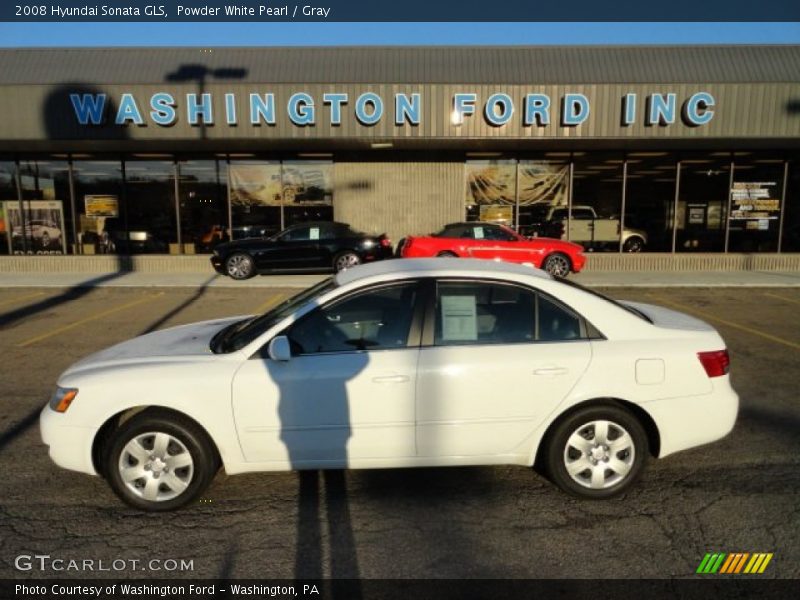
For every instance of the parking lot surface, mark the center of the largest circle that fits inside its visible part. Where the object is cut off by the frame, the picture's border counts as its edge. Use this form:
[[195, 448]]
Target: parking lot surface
[[737, 495]]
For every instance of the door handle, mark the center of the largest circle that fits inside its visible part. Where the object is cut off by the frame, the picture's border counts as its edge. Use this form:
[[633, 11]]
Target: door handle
[[550, 371], [391, 379]]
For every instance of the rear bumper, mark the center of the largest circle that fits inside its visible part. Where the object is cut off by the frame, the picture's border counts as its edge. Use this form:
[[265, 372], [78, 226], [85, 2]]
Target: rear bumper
[[695, 420], [70, 446]]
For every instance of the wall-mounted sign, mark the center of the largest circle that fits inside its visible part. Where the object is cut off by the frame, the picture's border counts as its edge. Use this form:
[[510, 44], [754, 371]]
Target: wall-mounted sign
[[369, 108], [101, 205]]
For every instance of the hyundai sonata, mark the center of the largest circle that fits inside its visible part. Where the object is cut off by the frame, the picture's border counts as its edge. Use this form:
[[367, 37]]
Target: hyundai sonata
[[413, 363]]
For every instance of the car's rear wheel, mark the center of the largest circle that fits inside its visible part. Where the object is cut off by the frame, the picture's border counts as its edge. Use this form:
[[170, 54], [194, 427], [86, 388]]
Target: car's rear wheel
[[447, 254], [633, 244], [160, 461], [345, 260], [596, 452], [557, 264], [240, 266]]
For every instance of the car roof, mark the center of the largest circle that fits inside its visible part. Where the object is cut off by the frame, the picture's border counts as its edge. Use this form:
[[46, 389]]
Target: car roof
[[410, 267]]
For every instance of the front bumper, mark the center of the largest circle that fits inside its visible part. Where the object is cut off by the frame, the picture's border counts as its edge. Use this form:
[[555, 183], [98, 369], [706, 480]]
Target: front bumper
[[695, 420], [578, 262], [70, 446], [216, 262]]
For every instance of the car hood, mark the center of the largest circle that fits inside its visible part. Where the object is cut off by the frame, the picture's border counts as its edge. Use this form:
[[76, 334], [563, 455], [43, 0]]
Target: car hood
[[174, 343], [668, 318]]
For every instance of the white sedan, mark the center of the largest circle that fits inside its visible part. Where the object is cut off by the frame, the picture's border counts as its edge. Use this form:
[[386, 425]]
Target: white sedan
[[402, 363]]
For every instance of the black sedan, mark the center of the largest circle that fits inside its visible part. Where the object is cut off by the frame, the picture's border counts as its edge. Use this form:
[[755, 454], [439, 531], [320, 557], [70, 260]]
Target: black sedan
[[317, 246]]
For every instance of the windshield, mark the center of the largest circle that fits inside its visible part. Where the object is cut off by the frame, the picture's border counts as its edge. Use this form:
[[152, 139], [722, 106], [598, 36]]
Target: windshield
[[237, 336]]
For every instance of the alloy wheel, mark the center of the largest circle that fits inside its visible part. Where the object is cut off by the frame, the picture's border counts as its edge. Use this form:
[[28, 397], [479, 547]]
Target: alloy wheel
[[557, 265], [346, 261]]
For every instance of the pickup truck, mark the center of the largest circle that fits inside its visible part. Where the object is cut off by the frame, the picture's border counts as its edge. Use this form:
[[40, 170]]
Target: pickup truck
[[590, 230]]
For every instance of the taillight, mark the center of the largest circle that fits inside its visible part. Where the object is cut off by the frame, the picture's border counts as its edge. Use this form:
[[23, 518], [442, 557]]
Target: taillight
[[715, 363], [386, 242]]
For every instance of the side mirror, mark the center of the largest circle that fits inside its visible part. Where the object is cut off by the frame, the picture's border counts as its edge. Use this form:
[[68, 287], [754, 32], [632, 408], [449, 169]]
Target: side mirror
[[279, 349]]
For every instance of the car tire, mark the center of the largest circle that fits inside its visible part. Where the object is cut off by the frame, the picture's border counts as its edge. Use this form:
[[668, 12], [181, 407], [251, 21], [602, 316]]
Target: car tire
[[557, 264], [239, 266], [45, 240], [159, 461], [345, 260], [447, 254], [607, 441], [633, 244]]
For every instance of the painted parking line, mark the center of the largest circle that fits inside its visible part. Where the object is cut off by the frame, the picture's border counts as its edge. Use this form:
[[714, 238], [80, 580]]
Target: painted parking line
[[272, 302], [21, 298], [784, 298], [710, 317], [100, 315]]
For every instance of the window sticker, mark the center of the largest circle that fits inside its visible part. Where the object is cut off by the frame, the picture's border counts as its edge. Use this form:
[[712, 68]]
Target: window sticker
[[478, 232], [459, 318], [313, 233]]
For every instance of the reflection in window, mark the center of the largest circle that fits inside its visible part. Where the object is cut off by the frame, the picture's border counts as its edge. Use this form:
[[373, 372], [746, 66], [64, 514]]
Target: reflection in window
[[373, 320], [542, 185], [649, 202], [492, 191], [98, 202], [755, 204], [46, 218], [307, 191], [203, 204], [8, 194], [150, 192], [267, 197], [596, 202], [702, 203]]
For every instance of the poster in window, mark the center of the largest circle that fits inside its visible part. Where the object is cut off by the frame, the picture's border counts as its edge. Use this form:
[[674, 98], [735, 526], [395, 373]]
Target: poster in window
[[255, 185], [106, 205], [755, 201], [40, 230]]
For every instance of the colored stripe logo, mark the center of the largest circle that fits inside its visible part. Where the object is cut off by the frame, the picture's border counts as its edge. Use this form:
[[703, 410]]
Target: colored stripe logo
[[734, 563]]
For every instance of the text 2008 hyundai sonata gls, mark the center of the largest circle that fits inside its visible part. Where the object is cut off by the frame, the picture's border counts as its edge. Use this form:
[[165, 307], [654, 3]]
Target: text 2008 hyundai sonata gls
[[409, 363]]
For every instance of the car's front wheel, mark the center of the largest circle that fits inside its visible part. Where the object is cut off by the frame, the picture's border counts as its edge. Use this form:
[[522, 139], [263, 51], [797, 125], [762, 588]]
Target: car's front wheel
[[633, 244], [447, 254], [160, 461], [596, 452], [45, 239], [239, 266], [557, 264]]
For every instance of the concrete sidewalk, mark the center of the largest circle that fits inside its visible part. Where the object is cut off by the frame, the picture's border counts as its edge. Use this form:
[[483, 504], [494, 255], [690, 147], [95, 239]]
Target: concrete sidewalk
[[589, 278]]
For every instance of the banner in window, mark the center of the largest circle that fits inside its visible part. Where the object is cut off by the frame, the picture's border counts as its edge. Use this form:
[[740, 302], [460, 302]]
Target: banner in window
[[40, 230], [754, 204]]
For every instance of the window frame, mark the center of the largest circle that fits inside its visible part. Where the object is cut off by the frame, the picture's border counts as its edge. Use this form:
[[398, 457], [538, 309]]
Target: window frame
[[588, 332], [414, 332]]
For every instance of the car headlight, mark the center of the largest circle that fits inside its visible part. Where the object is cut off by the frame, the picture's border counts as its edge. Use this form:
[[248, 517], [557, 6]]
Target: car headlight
[[62, 398]]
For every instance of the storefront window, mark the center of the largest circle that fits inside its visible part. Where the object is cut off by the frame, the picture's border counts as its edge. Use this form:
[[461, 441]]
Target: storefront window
[[755, 207], [492, 191], [649, 202], [98, 203], [597, 201], [255, 198], [203, 194], [43, 226], [150, 196], [8, 195], [702, 203], [307, 191], [791, 217], [543, 185]]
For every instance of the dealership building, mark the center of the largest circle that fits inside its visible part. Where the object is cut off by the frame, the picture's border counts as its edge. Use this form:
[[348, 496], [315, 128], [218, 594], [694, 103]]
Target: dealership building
[[665, 150]]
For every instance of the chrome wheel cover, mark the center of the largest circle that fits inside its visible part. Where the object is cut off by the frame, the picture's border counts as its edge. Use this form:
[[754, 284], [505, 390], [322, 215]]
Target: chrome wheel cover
[[156, 466], [346, 261], [599, 454], [557, 265], [238, 266]]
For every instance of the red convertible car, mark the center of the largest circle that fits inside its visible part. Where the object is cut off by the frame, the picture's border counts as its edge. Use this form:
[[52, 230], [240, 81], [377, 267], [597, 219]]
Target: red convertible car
[[497, 242]]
